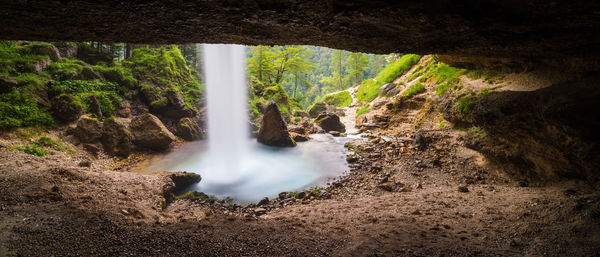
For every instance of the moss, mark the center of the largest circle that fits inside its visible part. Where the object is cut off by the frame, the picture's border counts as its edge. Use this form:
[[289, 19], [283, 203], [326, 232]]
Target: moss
[[196, 196], [369, 89], [413, 90], [362, 110], [465, 103], [316, 109], [66, 69], [441, 122], [117, 74], [441, 89], [340, 99]]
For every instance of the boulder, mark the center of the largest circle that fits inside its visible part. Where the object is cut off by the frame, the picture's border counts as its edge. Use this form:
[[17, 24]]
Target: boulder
[[316, 109], [302, 114], [149, 132], [95, 106], [44, 49], [38, 67], [88, 130], [273, 130], [125, 110], [388, 89], [330, 122], [116, 139], [66, 108], [7, 84], [66, 49], [88, 73], [189, 129], [299, 137]]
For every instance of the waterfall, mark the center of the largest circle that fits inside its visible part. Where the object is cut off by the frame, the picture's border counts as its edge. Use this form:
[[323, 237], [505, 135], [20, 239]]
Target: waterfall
[[226, 96]]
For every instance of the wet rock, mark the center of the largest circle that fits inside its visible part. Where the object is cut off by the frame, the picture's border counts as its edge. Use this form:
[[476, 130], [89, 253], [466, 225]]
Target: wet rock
[[189, 129], [176, 107], [299, 137], [284, 195], [316, 109], [263, 201], [334, 133], [330, 122], [273, 130], [66, 108], [352, 159], [88, 130], [116, 139], [149, 132]]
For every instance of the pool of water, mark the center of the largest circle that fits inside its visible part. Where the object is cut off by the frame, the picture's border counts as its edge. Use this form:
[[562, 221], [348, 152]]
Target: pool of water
[[263, 170]]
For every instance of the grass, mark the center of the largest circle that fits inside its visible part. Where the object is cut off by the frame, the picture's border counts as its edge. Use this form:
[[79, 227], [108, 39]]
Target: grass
[[369, 89], [19, 109], [340, 99], [442, 122], [416, 88], [465, 103], [33, 150], [362, 110]]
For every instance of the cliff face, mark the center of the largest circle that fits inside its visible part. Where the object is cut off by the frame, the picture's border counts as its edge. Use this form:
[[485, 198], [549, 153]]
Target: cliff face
[[529, 30]]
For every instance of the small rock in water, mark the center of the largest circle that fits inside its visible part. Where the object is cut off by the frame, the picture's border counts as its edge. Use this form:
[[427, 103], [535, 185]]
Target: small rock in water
[[334, 133], [284, 195]]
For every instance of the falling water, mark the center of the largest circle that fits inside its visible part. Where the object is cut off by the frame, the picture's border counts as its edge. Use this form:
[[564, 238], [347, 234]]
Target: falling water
[[226, 103]]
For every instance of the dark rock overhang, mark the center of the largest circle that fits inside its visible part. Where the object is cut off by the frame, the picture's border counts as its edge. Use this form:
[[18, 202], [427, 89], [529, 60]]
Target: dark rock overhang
[[526, 29]]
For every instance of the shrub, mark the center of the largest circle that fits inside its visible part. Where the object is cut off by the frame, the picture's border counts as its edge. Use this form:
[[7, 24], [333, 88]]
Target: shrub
[[362, 110], [18, 109], [33, 150], [66, 69]]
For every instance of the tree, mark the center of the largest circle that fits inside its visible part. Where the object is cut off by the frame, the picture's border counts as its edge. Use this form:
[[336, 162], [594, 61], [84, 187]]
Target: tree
[[261, 63], [357, 66], [298, 65], [337, 59]]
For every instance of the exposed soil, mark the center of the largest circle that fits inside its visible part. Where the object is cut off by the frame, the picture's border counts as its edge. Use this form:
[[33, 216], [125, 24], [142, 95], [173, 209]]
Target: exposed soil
[[432, 198]]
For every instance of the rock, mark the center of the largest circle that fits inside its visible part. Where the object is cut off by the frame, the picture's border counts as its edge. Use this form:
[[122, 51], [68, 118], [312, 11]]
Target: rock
[[38, 67], [463, 189], [419, 141], [66, 49], [260, 211], [183, 180], [125, 110], [88, 130], [92, 148], [387, 186], [302, 114], [94, 106], [273, 130], [316, 109], [284, 195], [334, 133], [66, 108], [380, 102], [88, 73], [299, 137], [149, 132], [189, 129], [7, 84], [116, 139], [351, 158], [388, 89], [330, 122], [263, 201], [44, 49], [85, 163]]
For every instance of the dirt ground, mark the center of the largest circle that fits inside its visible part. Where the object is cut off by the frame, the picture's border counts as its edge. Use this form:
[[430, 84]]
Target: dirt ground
[[437, 199]]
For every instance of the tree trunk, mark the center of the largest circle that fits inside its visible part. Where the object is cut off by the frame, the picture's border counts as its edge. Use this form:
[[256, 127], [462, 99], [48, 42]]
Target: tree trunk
[[340, 70], [260, 60], [295, 84]]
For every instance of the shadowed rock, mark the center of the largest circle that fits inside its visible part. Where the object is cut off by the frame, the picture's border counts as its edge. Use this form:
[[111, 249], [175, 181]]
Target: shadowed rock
[[330, 122], [149, 132], [273, 130]]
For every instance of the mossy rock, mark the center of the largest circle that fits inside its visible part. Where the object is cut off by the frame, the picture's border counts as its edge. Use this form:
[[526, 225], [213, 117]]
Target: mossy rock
[[189, 129], [316, 109], [66, 108], [341, 99], [42, 49]]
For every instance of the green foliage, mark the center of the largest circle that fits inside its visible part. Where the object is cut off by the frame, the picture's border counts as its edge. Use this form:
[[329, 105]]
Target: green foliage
[[414, 89], [362, 110], [33, 150], [369, 89], [340, 99], [357, 66], [106, 93], [14, 61], [118, 74], [465, 103], [316, 190], [57, 145], [442, 122], [441, 89], [18, 109], [477, 131], [66, 69], [484, 92]]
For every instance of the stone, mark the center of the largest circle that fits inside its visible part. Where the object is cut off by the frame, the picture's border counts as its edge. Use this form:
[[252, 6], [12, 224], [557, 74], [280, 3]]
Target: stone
[[116, 139], [149, 132], [88, 130], [387, 186], [388, 89], [85, 163], [94, 106], [44, 49], [92, 148], [88, 73], [189, 129], [7, 84], [330, 122], [419, 140], [302, 114], [316, 109], [66, 49], [273, 130], [260, 211], [125, 110], [299, 137], [284, 195], [263, 201], [463, 189], [66, 108], [334, 133]]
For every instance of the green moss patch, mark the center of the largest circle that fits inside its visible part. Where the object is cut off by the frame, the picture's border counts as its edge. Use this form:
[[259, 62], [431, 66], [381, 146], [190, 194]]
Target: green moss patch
[[369, 89], [340, 99], [416, 88]]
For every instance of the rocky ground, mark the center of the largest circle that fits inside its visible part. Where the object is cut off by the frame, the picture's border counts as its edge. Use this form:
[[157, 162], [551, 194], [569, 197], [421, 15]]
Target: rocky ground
[[410, 193]]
